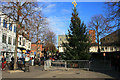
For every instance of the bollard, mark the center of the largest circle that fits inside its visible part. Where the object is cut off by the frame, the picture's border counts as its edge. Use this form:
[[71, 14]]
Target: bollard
[[65, 64]]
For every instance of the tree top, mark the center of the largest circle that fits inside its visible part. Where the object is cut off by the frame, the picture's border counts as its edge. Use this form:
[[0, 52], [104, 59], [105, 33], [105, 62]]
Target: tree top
[[74, 3]]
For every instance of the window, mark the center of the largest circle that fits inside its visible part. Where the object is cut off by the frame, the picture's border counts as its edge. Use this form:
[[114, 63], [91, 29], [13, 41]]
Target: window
[[4, 38], [9, 40], [4, 23], [10, 26], [103, 49], [60, 39], [29, 45], [20, 41], [106, 48], [111, 48], [15, 29], [0, 20], [14, 42], [23, 42]]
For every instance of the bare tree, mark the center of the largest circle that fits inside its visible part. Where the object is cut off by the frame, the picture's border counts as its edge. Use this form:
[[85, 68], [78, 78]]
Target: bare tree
[[101, 26], [49, 40], [113, 12], [37, 27], [113, 15], [19, 13]]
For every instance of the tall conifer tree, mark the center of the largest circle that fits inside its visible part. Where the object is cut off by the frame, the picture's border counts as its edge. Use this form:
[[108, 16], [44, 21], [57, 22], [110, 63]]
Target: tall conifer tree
[[77, 47]]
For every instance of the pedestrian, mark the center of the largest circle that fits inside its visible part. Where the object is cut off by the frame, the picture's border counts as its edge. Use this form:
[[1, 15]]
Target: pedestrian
[[12, 63], [32, 61], [23, 60], [39, 61], [27, 59], [3, 63], [12, 59]]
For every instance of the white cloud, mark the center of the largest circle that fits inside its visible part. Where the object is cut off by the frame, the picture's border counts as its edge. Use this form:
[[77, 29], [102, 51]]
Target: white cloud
[[49, 8], [65, 11], [58, 24]]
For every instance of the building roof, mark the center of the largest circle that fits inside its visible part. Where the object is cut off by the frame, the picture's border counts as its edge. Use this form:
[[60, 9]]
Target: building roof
[[117, 31]]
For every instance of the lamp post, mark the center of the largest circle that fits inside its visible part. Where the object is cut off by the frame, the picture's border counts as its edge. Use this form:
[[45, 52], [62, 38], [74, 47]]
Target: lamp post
[[104, 58]]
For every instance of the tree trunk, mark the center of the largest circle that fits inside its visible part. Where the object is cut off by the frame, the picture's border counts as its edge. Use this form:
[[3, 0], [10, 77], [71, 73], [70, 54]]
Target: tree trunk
[[37, 42], [98, 39], [16, 45]]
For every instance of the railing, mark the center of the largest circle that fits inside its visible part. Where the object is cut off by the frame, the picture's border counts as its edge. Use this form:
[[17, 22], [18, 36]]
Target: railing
[[65, 64], [78, 64]]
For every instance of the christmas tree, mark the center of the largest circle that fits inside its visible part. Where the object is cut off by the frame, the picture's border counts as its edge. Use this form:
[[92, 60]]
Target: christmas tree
[[77, 46]]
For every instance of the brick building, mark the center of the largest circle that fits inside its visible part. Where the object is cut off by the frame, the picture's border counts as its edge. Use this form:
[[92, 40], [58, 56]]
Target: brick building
[[92, 36], [34, 49]]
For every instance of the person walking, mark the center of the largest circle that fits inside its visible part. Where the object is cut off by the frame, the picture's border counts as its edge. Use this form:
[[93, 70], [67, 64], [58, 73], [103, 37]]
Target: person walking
[[3, 63], [27, 59], [12, 63], [23, 60], [39, 61], [32, 61]]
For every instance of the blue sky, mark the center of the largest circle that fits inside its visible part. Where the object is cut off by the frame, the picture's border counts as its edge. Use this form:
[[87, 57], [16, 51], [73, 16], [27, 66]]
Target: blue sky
[[59, 14]]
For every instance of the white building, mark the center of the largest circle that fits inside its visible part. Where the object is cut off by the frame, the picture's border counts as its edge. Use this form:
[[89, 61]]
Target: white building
[[7, 36], [24, 44], [94, 48]]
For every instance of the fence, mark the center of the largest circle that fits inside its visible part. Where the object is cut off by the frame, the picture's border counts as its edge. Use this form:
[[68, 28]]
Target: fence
[[83, 64], [102, 65], [94, 65]]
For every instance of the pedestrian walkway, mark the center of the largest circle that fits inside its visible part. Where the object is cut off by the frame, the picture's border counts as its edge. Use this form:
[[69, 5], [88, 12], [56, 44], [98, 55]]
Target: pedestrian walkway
[[38, 72]]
